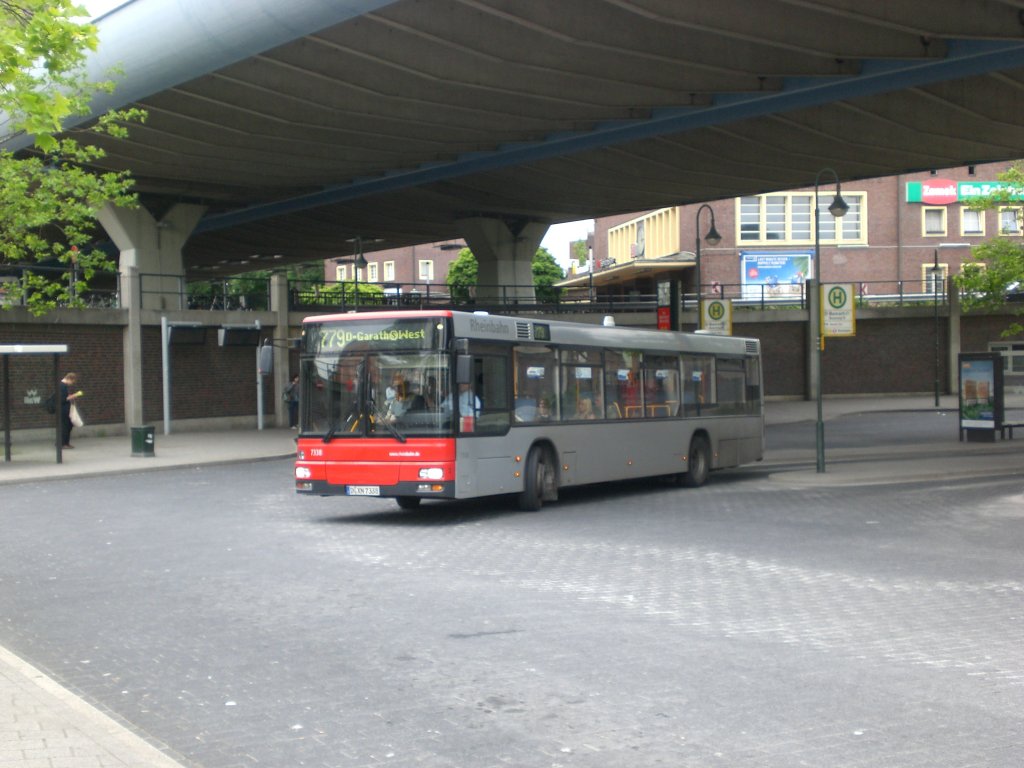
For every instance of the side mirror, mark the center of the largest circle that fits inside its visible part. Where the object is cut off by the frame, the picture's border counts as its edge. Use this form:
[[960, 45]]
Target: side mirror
[[464, 369], [462, 346]]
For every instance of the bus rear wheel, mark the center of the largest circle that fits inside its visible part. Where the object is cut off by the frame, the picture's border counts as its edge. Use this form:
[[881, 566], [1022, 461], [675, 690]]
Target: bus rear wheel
[[534, 480], [699, 463], [408, 502]]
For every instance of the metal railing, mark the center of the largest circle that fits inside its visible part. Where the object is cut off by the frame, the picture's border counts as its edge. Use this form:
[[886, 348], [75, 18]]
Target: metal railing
[[253, 294], [233, 293], [102, 292]]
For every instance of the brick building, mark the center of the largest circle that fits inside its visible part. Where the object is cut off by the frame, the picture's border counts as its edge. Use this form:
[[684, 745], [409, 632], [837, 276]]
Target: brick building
[[889, 241], [417, 268]]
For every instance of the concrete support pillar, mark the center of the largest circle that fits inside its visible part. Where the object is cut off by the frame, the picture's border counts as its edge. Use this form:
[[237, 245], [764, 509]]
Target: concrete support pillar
[[154, 248], [504, 254], [152, 277], [279, 306]]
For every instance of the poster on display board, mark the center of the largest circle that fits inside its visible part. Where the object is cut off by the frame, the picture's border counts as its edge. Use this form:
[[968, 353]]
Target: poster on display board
[[775, 274], [981, 394]]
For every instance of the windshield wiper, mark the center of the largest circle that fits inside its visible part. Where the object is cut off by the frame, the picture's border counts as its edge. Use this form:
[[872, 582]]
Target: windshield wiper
[[382, 419]]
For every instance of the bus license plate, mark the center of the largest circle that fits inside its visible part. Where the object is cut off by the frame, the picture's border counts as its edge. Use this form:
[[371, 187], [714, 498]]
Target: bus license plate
[[363, 490]]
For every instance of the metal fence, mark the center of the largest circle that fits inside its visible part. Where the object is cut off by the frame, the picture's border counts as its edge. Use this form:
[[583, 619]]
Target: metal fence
[[253, 294], [103, 290]]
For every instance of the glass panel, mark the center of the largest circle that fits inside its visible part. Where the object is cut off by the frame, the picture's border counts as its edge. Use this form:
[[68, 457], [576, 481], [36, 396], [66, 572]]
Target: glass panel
[[343, 395], [800, 218], [698, 383], [972, 222], [753, 369], [826, 221], [493, 390], [750, 218], [934, 221], [851, 228], [731, 386], [622, 386], [582, 394], [406, 391], [775, 217], [1008, 220], [483, 406], [661, 386], [535, 384]]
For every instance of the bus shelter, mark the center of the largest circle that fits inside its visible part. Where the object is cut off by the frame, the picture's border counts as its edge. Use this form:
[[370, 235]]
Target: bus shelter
[[7, 351]]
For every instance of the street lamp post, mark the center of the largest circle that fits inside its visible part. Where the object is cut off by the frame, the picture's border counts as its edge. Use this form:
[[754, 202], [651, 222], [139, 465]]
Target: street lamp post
[[358, 262], [713, 239], [838, 209]]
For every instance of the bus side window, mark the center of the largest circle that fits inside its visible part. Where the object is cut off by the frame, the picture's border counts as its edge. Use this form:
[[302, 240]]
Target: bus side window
[[491, 386], [753, 385], [661, 386], [534, 383], [698, 383], [622, 390]]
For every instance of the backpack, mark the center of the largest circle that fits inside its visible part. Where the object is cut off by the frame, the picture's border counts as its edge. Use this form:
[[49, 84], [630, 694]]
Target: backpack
[[51, 404]]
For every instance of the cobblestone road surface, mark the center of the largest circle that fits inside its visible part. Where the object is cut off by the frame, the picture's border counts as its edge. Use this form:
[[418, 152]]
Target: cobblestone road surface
[[742, 624]]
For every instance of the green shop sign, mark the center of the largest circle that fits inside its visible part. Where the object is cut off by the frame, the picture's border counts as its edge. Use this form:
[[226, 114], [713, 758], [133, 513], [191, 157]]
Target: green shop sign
[[945, 191]]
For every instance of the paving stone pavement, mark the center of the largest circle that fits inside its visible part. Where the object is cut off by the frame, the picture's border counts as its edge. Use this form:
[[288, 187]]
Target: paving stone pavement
[[43, 725]]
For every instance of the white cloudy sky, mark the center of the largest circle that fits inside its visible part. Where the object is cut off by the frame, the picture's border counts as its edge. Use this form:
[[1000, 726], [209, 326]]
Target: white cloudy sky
[[559, 235]]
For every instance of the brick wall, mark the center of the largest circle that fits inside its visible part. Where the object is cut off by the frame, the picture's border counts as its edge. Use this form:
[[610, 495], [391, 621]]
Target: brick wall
[[208, 381], [893, 353], [94, 353]]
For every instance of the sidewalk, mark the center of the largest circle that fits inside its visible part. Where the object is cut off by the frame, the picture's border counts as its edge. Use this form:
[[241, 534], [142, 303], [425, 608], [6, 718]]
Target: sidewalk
[[113, 455], [43, 724]]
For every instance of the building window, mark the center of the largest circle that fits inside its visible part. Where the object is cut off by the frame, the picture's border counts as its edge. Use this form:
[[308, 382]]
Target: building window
[[341, 273], [649, 237], [1009, 221], [1013, 355], [933, 222], [788, 219], [972, 222], [389, 271], [371, 272], [426, 270], [934, 281]]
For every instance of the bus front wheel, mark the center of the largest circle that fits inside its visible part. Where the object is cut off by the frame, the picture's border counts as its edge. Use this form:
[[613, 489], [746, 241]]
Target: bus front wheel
[[535, 478], [408, 502], [699, 464]]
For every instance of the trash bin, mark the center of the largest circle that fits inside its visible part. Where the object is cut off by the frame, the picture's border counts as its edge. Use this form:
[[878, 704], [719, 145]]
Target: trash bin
[[142, 441]]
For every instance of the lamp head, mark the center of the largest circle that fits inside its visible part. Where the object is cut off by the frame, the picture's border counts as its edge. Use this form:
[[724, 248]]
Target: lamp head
[[360, 261], [712, 237], [839, 206]]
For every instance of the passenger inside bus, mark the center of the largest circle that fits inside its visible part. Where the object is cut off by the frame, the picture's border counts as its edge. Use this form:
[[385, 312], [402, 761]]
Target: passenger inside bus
[[585, 409]]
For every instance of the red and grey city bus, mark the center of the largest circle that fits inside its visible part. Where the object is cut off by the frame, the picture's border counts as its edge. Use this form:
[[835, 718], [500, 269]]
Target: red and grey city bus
[[459, 405]]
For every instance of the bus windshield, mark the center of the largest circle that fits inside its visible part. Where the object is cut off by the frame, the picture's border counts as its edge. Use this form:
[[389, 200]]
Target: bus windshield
[[377, 378]]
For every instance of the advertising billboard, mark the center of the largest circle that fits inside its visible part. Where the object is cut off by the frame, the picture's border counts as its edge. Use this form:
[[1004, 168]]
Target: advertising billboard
[[774, 274]]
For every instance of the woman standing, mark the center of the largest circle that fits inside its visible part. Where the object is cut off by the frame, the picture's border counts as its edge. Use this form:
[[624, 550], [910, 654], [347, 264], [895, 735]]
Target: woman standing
[[67, 396]]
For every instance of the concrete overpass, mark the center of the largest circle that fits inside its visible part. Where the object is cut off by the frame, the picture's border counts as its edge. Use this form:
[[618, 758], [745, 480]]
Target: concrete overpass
[[278, 131]]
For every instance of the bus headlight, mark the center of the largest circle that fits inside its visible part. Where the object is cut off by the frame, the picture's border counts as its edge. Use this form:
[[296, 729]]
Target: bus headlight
[[431, 473], [303, 473]]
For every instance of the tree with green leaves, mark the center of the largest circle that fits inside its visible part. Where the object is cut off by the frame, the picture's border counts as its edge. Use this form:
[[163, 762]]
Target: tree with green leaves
[[996, 266], [462, 276], [580, 251], [50, 193], [546, 273]]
